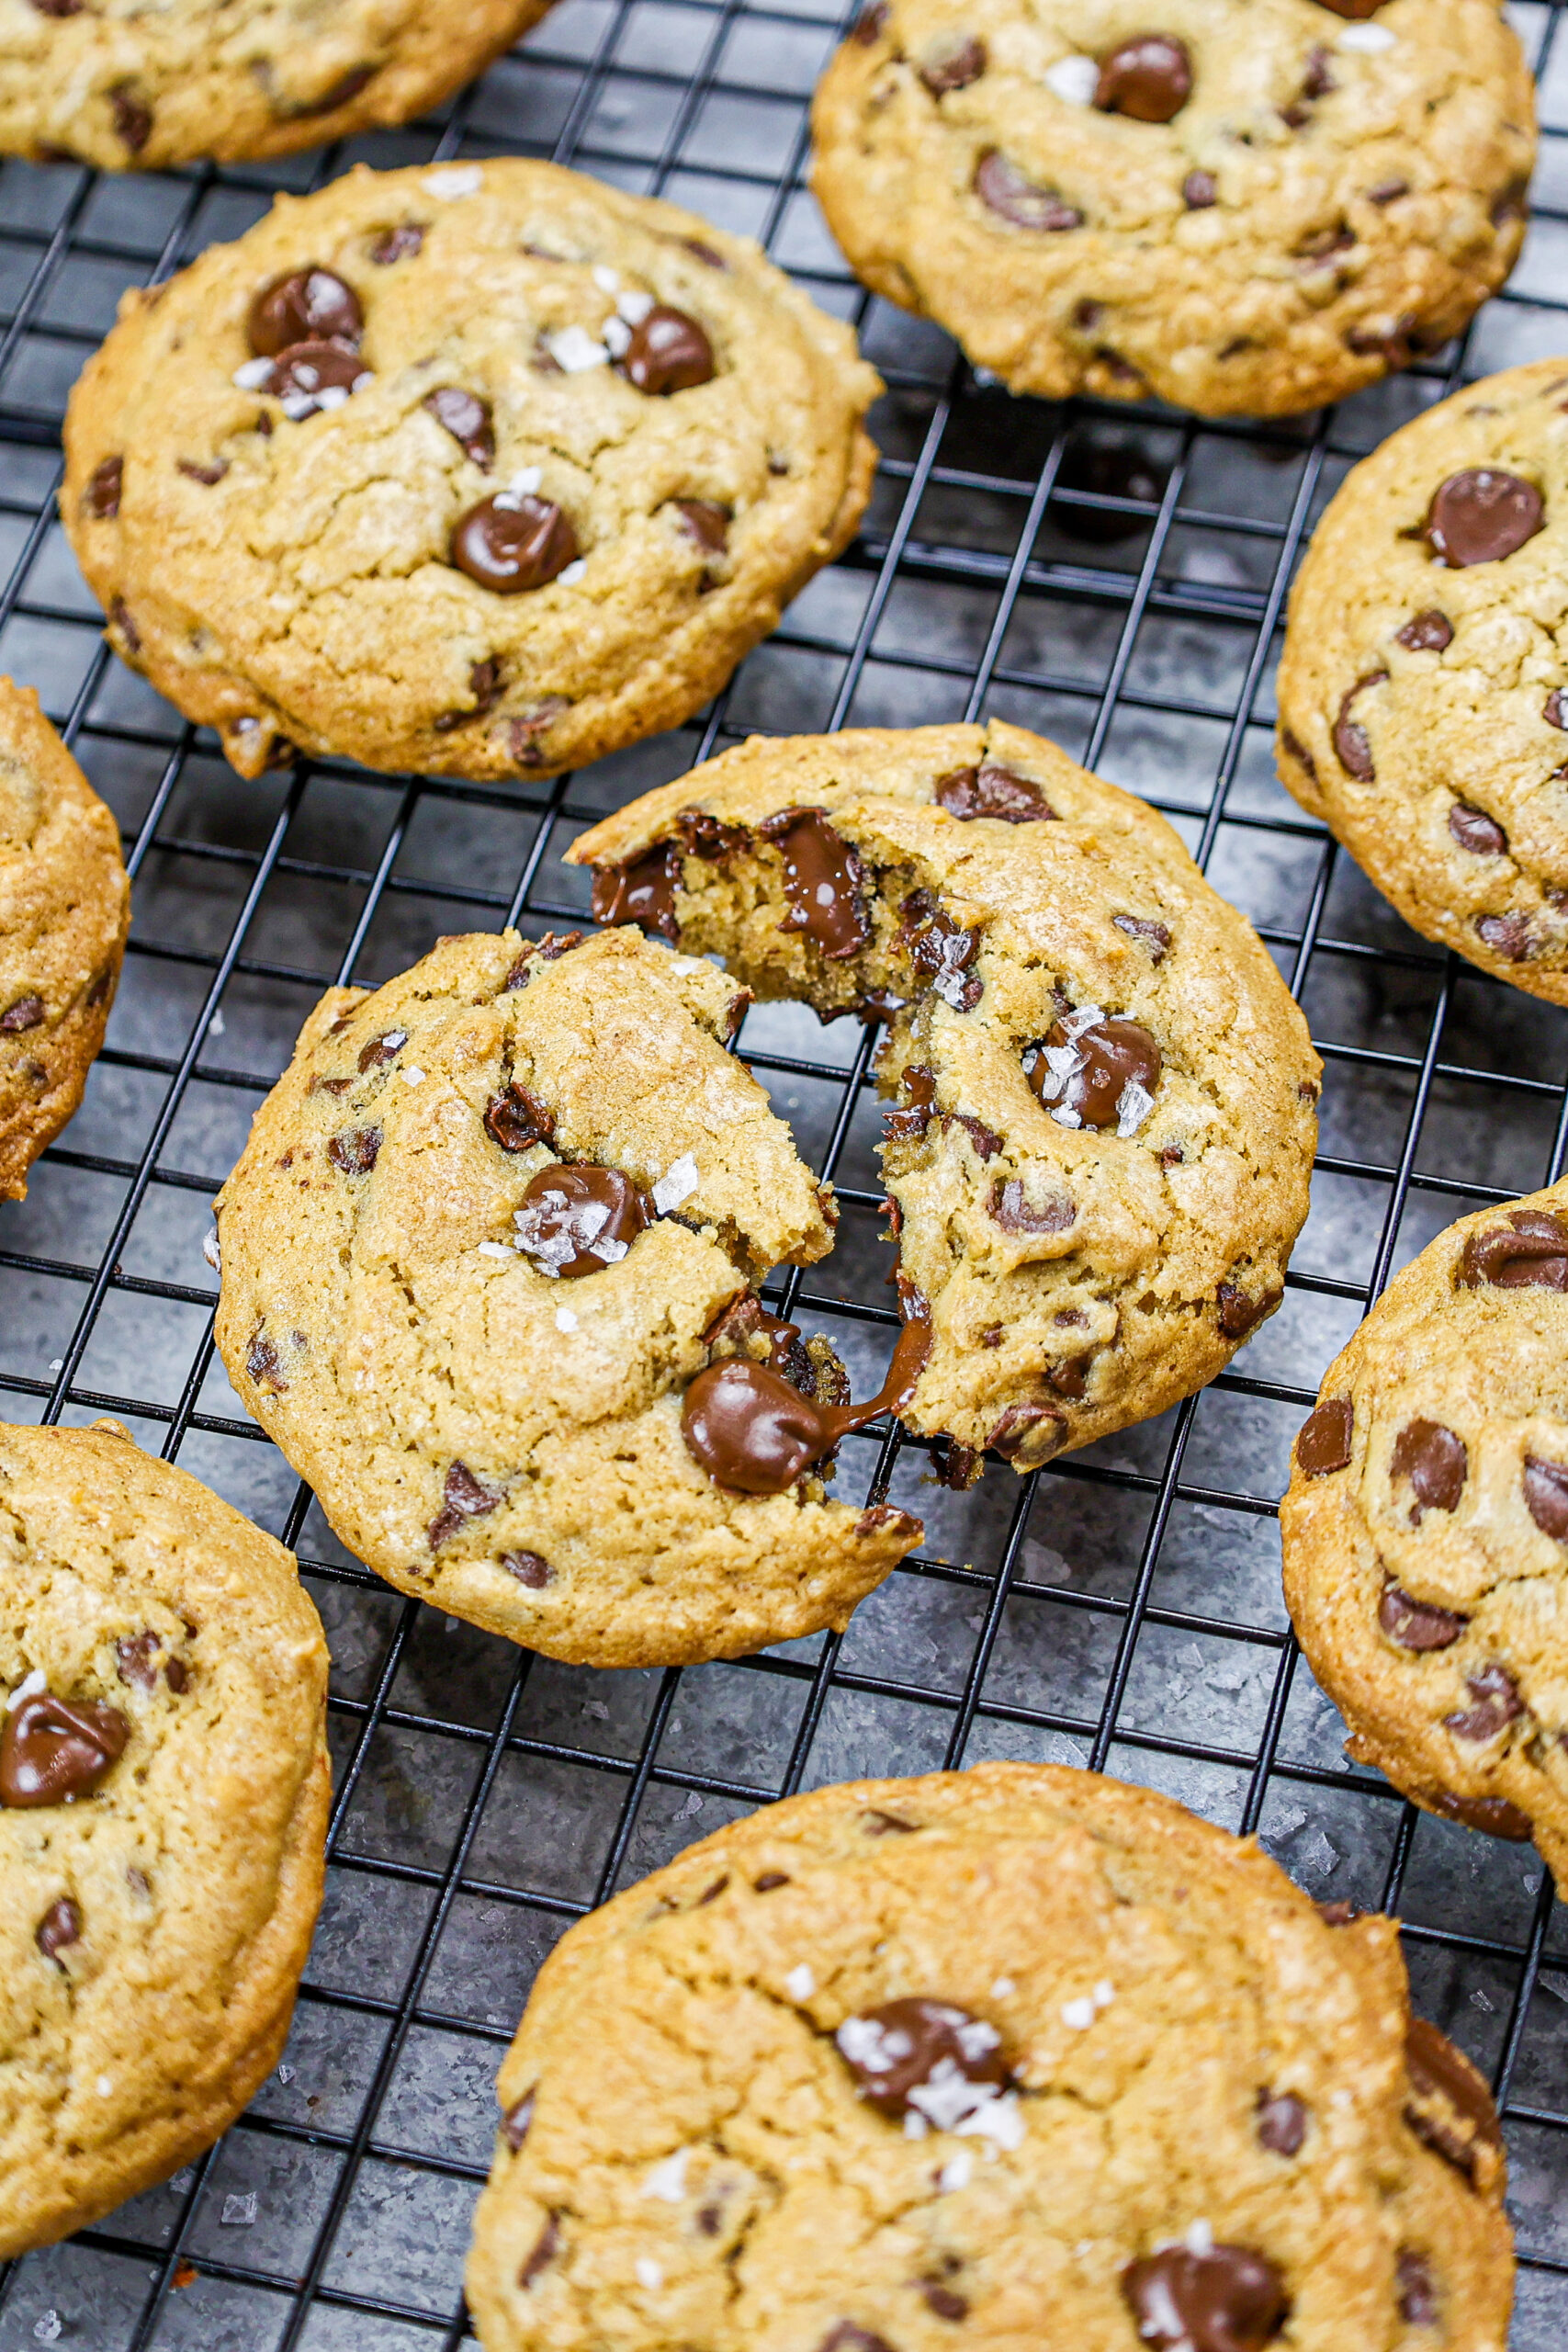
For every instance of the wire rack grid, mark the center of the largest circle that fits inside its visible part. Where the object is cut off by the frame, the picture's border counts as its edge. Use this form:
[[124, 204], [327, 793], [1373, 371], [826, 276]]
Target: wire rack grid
[[1112, 576]]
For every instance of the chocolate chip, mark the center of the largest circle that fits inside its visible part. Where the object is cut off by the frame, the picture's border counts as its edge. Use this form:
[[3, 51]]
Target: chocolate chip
[[1435, 1461], [943, 951], [1070, 1378], [945, 2302], [59, 7], [545, 2246], [525, 733], [207, 475], [953, 65], [669, 352], [1299, 753], [177, 1674], [878, 1824], [1483, 514], [509, 543], [989, 790], [515, 2122], [1493, 1816], [132, 119], [1413, 2282], [383, 1049], [1388, 191], [1417, 1624], [769, 1880], [1111, 1056], [577, 1220], [1281, 2122], [302, 376], [1232, 2299], [1530, 1252], [355, 1150], [1554, 710], [485, 686], [849, 2338], [59, 1929], [1427, 632], [922, 2057], [264, 1363], [1337, 1915], [1012, 1208], [306, 305], [642, 891], [517, 1119], [753, 1431], [347, 85], [869, 23], [1148, 78], [1239, 1314], [101, 497], [705, 520], [397, 244], [1035, 1429], [1199, 190], [1354, 8], [467, 418], [985, 1141], [1324, 1444], [25, 1014], [1546, 1496], [1154, 936], [134, 1661], [824, 881], [1350, 739], [530, 1569], [1474, 831], [1002, 188], [1507, 935], [1452, 2109], [463, 1497], [1497, 1704], [56, 1748]]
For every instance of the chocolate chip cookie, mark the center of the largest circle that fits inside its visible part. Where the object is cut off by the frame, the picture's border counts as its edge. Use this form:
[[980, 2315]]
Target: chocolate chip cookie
[[490, 1268], [64, 909], [1425, 1529], [1246, 207], [484, 469], [824, 2083], [137, 87], [163, 1790], [1103, 1095], [1424, 687]]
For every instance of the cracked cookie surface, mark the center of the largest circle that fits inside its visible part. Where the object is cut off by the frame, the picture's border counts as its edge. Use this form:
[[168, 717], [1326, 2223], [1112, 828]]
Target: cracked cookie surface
[[479, 469], [1423, 691], [486, 1389], [64, 910], [1105, 1093], [163, 1791], [1246, 207], [1425, 1528], [730, 2118], [145, 87]]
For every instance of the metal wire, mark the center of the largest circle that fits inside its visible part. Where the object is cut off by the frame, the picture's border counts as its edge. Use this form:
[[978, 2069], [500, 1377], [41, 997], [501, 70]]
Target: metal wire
[[1114, 575]]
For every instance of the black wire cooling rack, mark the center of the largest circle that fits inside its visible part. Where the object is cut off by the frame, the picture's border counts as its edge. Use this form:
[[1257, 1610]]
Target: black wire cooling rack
[[1112, 576]]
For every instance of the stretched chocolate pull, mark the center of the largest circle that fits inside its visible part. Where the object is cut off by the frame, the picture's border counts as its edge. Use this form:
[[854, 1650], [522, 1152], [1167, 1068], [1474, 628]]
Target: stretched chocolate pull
[[750, 1430]]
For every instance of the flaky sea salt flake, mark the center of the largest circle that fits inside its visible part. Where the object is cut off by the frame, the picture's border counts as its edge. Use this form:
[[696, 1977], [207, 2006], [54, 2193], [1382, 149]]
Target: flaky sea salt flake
[[677, 1185], [1132, 1107], [800, 1984], [453, 180], [239, 2213], [574, 350], [667, 2178], [1074, 80]]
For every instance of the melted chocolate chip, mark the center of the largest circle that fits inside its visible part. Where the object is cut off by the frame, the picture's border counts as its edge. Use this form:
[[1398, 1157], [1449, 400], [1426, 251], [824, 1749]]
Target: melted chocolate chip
[[1507, 935], [1199, 190], [1230, 2299], [517, 1119], [264, 1365], [134, 1661], [1482, 516], [467, 418], [25, 1014], [984, 1141], [954, 65], [577, 1220], [462, 1496], [1324, 1444], [1111, 1057], [1354, 8], [1554, 710], [1474, 831], [132, 119], [1148, 78], [56, 1748], [642, 891], [1546, 1496], [397, 244], [1413, 2282], [1427, 632], [1451, 2109], [303, 373], [1012, 1208], [1299, 753], [991, 791], [1281, 2122], [750, 1430], [1238, 1312], [355, 1150], [824, 881], [920, 2056], [510, 543], [101, 497], [669, 352], [530, 1569], [1033, 1429], [383, 1049], [307, 305], [59, 1927], [1493, 1816], [943, 951], [709, 837], [515, 2122], [1533, 1254], [705, 520], [1350, 739], [1002, 189], [1497, 1704], [1154, 936], [545, 2248], [1435, 1461], [1417, 1624]]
